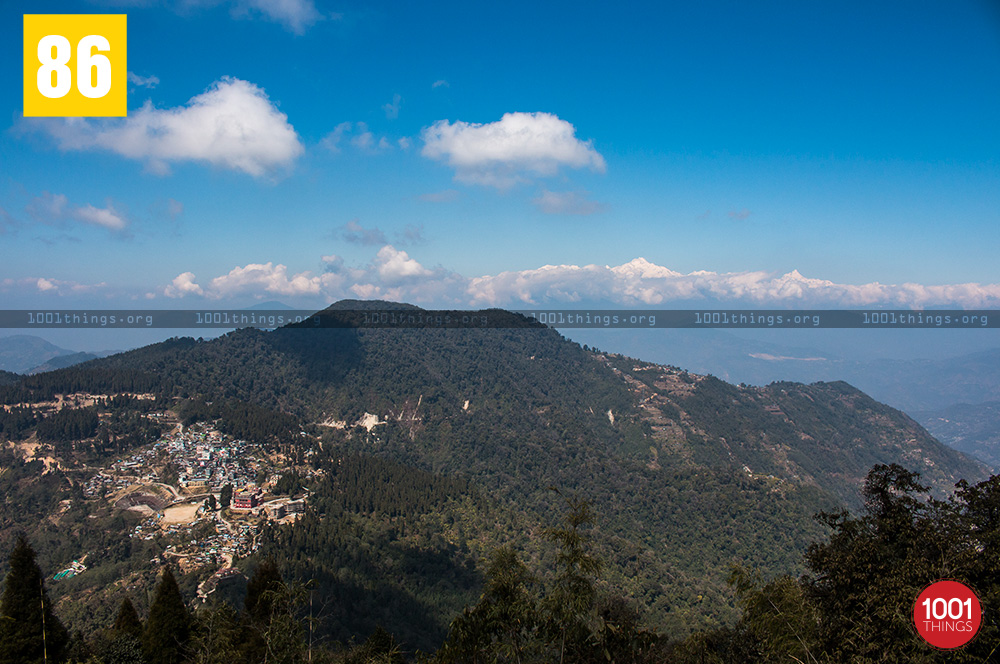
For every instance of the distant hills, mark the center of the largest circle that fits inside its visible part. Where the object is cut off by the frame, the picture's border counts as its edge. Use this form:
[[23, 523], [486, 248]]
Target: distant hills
[[21, 352], [971, 428], [28, 354], [927, 389], [924, 388]]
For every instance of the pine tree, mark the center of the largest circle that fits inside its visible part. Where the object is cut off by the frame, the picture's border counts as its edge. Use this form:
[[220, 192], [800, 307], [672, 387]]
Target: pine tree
[[263, 588], [127, 621], [29, 630], [169, 624], [271, 631]]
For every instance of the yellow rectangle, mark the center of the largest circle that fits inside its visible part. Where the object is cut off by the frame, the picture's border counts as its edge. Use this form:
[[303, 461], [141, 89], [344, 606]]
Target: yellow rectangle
[[75, 65]]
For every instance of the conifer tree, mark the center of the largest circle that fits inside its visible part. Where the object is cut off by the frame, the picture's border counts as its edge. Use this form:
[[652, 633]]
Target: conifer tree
[[271, 631], [29, 630], [169, 626], [263, 589], [127, 620]]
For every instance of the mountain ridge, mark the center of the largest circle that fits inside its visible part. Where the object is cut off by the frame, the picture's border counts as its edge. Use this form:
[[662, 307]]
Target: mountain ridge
[[689, 474]]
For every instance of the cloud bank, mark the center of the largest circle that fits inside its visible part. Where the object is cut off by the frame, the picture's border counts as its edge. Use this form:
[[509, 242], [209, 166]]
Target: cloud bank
[[395, 275]]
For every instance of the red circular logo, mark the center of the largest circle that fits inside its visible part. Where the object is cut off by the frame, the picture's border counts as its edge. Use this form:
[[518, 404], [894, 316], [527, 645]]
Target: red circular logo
[[947, 614]]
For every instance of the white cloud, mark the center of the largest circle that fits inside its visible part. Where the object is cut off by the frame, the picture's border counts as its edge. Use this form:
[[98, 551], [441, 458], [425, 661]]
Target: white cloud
[[739, 214], [508, 151], [355, 233], [394, 275], [359, 136], [404, 143], [364, 140], [48, 207], [641, 283], [395, 266], [333, 262], [55, 209], [107, 217], [143, 81], [566, 202], [183, 284], [267, 277], [332, 140], [296, 15], [232, 125], [440, 83], [392, 109], [48, 285]]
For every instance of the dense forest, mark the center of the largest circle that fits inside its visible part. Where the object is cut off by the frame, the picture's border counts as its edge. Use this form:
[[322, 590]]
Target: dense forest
[[853, 604]]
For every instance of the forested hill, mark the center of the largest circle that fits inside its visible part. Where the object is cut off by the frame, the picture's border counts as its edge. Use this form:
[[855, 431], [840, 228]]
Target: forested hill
[[688, 474], [525, 382]]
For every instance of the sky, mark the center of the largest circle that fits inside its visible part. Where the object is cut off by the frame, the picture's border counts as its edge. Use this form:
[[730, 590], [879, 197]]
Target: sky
[[779, 154]]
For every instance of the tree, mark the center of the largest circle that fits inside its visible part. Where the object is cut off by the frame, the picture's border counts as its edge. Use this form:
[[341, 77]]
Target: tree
[[866, 577], [571, 609], [272, 632], [226, 496], [262, 589], [500, 627], [127, 621], [217, 638], [29, 630], [122, 649], [779, 622], [622, 638], [210, 504], [169, 625], [379, 648]]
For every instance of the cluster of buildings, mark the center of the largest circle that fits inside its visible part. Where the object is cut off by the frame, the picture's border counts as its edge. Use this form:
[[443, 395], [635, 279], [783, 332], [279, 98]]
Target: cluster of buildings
[[219, 549], [202, 461], [137, 467], [205, 460], [74, 568]]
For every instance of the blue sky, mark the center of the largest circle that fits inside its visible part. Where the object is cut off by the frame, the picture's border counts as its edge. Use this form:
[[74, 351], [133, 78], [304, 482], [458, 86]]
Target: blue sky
[[779, 154]]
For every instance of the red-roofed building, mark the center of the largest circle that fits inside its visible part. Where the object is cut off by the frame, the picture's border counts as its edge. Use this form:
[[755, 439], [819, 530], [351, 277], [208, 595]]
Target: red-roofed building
[[245, 501]]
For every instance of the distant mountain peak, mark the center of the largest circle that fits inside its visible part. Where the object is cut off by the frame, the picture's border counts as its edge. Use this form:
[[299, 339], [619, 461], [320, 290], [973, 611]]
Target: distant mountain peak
[[640, 267]]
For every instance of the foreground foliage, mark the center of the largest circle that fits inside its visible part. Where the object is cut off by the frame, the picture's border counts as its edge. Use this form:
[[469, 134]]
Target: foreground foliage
[[856, 602]]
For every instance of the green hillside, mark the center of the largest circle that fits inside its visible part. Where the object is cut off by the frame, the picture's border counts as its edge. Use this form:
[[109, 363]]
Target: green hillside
[[453, 439]]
